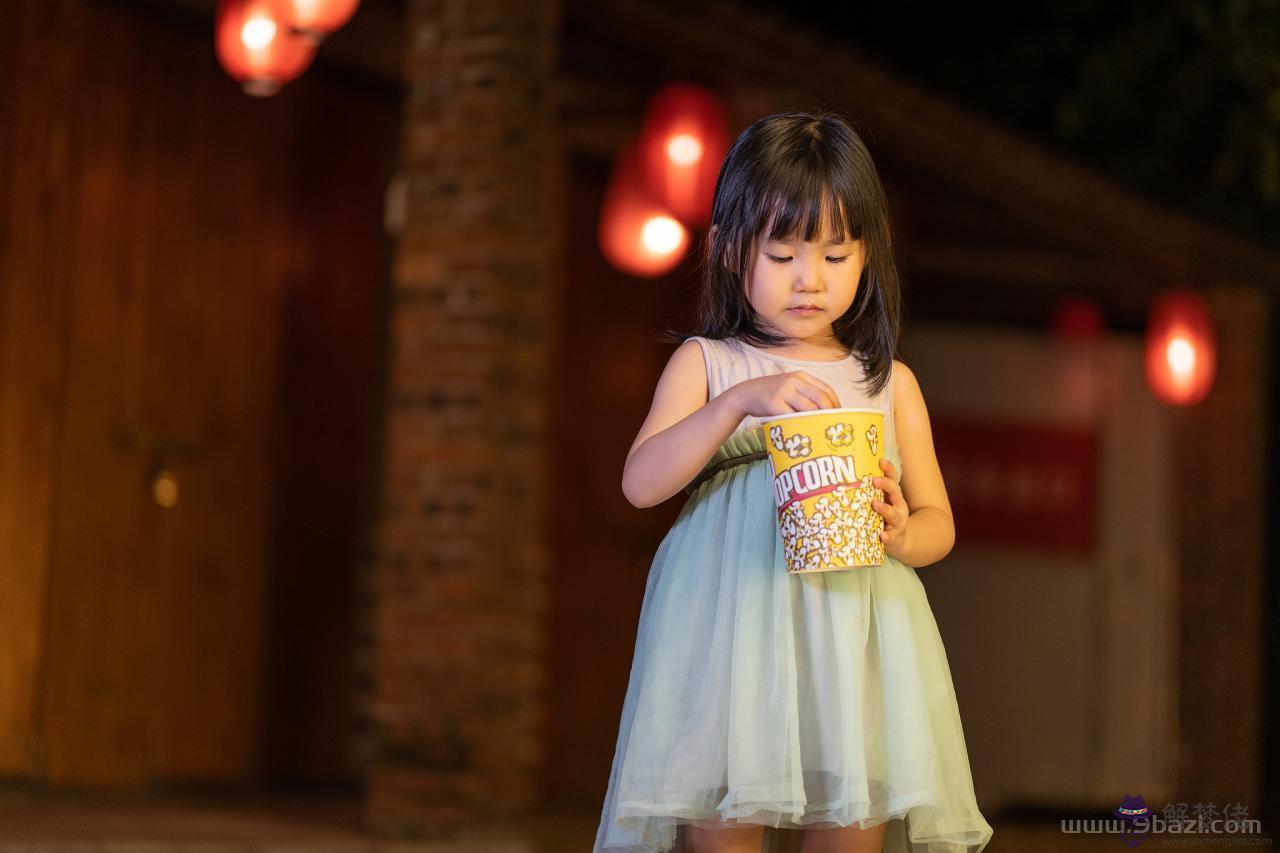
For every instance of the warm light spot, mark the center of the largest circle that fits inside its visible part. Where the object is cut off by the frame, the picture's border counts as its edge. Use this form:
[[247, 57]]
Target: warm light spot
[[662, 235], [1181, 355], [684, 149], [164, 489], [258, 31]]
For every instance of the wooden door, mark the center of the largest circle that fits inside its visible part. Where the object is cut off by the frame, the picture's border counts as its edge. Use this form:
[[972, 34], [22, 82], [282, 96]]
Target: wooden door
[[193, 305]]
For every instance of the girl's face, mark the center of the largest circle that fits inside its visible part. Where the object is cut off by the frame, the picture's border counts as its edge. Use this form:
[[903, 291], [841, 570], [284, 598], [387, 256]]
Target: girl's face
[[786, 275]]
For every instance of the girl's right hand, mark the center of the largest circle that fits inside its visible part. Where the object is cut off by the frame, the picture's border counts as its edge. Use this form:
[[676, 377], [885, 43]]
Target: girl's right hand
[[783, 393]]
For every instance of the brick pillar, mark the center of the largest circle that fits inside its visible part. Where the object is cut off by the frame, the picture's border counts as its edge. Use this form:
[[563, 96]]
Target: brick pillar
[[459, 568]]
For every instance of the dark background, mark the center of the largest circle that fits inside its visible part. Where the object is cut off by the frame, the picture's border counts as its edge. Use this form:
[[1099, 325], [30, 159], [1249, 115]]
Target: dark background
[[1178, 101]]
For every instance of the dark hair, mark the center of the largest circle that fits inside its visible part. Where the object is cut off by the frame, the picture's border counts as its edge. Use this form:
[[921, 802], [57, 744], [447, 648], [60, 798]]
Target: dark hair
[[782, 173]]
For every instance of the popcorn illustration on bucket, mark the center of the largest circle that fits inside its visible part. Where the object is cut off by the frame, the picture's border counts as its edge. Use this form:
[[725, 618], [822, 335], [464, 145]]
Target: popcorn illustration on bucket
[[823, 465]]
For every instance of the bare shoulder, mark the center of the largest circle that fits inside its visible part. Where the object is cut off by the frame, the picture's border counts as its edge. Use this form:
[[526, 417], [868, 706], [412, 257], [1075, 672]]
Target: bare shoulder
[[906, 388], [910, 415], [686, 372], [681, 391]]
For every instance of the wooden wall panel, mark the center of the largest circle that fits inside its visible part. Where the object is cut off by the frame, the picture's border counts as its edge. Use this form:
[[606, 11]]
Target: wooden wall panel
[[199, 290], [35, 210], [607, 365]]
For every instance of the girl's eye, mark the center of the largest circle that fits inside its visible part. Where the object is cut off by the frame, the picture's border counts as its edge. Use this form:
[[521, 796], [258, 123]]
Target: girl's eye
[[779, 260], [838, 260]]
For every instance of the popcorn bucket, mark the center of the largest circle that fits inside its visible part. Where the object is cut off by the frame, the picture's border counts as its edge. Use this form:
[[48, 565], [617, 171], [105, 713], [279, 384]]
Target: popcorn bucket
[[823, 464]]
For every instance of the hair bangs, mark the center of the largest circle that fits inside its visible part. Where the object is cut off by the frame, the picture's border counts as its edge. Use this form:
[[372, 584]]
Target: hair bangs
[[809, 207]]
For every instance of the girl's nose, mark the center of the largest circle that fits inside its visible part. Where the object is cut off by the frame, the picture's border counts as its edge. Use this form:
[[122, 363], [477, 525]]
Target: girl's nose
[[808, 277]]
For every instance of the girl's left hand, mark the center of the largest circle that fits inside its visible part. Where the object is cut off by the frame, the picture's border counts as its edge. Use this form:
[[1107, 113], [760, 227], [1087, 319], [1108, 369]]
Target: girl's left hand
[[894, 509]]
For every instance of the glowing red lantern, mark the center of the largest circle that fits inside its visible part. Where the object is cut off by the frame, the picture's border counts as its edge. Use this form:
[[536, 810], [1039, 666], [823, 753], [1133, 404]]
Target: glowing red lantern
[[316, 19], [683, 142], [1181, 353], [638, 235], [257, 46]]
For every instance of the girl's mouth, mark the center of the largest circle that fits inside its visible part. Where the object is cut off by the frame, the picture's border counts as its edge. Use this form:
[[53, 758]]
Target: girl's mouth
[[804, 311]]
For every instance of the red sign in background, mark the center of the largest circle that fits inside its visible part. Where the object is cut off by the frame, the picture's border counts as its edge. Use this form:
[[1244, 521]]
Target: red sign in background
[[1020, 485]]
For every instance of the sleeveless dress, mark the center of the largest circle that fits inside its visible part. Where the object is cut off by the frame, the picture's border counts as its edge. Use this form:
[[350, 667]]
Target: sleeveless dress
[[758, 697]]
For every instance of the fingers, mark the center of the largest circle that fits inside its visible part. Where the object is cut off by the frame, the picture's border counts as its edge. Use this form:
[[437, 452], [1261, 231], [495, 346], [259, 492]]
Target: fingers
[[818, 391], [890, 481], [894, 507], [891, 511], [832, 399], [803, 397], [892, 491], [805, 393], [801, 400]]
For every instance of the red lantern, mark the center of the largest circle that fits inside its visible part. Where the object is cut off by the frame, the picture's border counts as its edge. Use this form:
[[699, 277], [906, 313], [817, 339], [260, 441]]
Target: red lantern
[[638, 235], [1181, 354], [683, 143], [257, 46], [316, 19]]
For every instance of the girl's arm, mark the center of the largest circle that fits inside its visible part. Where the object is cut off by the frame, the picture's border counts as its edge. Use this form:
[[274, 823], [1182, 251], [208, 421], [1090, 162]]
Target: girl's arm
[[681, 432], [930, 530]]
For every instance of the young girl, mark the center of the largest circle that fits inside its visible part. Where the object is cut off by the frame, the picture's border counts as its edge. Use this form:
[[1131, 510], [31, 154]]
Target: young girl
[[760, 700]]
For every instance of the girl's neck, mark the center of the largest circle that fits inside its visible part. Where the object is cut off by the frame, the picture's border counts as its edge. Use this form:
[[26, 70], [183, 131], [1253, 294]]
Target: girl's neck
[[801, 350]]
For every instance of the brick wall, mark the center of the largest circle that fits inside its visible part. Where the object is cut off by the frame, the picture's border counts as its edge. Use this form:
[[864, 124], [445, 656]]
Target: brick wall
[[456, 586]]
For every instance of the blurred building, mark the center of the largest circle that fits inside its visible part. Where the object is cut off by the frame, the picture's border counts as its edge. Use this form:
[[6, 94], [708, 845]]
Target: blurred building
[[364, 328]]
